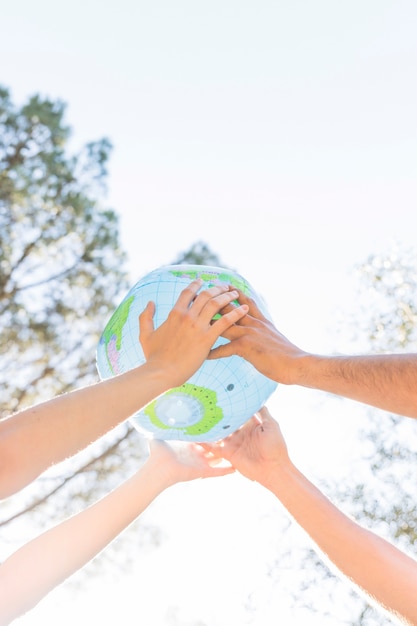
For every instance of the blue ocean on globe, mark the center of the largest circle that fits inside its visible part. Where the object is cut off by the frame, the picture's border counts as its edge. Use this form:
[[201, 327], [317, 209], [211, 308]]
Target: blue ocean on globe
[[220, 397]]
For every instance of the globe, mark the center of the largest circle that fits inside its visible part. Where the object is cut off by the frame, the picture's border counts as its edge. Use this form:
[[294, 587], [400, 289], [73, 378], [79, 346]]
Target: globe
[[219, 398]]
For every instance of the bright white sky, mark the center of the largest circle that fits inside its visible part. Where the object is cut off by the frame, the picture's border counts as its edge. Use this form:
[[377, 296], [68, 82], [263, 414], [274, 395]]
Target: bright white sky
[[283, 134]]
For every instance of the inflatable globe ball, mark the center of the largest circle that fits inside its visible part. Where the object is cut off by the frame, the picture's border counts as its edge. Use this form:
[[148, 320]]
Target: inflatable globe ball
[[221, 396]]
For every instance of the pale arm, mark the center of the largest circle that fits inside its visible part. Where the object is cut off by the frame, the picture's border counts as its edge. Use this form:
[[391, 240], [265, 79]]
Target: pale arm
[[36, 568], [383, 572], [387, 382], [34, 439]]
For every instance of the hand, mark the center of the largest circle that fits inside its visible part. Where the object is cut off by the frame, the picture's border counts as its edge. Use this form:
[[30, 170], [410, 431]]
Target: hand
[[257, 450], [257, 340], [183, 462], [181, 344]]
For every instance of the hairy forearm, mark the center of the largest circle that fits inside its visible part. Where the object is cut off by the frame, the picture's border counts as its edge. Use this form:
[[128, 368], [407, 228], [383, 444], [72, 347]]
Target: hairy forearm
[[34, 570], [385, 573], [34, 439], [388, 382]]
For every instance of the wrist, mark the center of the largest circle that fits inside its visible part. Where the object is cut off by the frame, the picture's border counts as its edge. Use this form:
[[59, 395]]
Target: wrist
[[157, 475], [158, 379], [163, 376], [279, 476], [306, 370]]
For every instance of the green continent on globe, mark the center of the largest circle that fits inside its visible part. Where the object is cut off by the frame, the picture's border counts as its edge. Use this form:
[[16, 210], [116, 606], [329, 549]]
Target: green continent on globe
[[114, 327], [212, 277], [212, 415]]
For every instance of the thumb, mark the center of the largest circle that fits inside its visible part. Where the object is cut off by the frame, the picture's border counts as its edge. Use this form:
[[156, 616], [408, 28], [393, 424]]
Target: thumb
[[146, 326], [221, 351]]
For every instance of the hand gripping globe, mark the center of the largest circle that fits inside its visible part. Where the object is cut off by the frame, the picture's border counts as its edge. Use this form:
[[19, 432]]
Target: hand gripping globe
[[221, 396]]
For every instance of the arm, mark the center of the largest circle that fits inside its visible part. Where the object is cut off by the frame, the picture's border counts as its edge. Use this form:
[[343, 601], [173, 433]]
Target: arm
[[386, 574], [36, 438], [387, 382], [36, 568]]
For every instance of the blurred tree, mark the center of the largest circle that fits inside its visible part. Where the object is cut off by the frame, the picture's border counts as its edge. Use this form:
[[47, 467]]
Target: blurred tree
[[60, 257], [199, 254], [61, 274], [380, 493], [61, 266], [386, 498]]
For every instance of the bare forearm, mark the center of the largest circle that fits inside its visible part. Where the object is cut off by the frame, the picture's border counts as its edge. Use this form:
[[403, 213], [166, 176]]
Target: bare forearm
[[388, 382], [385, 573], [40, 436], [34, 570]]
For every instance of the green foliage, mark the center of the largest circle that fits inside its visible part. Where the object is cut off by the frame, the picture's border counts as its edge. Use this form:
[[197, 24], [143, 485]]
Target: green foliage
[[61, 273], [379, 491], [389, 293], [60, 259], [384, 497], [199, 254], [390, 287]]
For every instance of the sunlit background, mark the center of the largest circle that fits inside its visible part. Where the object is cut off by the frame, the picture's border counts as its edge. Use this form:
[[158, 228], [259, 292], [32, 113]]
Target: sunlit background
[[284, 136]]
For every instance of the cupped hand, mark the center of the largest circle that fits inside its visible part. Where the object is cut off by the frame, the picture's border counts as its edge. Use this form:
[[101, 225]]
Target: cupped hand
[[257, 450], [181, 462]]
